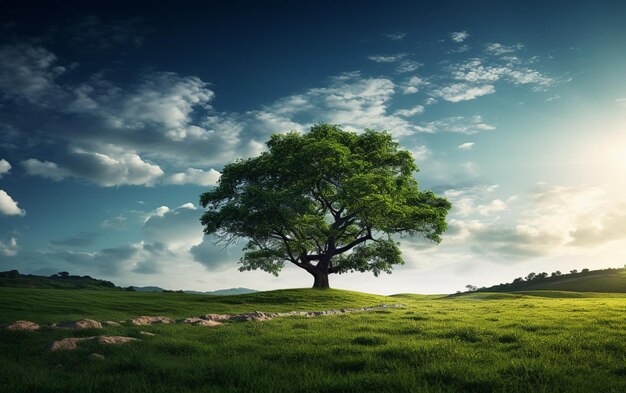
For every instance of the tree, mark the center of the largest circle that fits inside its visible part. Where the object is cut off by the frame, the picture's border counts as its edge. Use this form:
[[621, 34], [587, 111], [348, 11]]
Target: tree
[[471, 287], [531, 276], [573, 271], [327, 201]]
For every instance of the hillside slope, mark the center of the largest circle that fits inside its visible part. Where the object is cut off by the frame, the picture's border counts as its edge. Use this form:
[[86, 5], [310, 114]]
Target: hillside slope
[[609, 280]]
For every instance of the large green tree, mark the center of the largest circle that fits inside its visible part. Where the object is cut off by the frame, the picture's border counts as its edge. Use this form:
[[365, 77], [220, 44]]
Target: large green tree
[[328, 201]]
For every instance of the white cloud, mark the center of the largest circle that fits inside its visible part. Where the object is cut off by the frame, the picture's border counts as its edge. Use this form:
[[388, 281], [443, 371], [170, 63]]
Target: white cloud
[[195, 176], [353, 102], [5, 167], [46, 169], [476, 71], [430, 101], [177, 228], [498, 49], [408, 66], [102, 169], [494, 206], [387, 58], [8, 206], [458, 124], [421, 153], [459, 36], [10, 248], [412, 85], [463, 92], [416, 110], [466, 146], [29, 72]]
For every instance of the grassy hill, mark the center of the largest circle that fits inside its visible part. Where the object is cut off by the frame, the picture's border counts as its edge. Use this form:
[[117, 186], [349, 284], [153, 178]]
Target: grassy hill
[[13, 278], [536, 341], [609, 281]]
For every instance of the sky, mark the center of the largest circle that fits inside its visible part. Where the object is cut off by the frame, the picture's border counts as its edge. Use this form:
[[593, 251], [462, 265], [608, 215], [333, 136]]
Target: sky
[[114, 119]]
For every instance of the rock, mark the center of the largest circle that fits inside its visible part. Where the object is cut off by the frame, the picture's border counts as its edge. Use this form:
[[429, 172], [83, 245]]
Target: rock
[[253, 316], [95, 356], [77, 325], [208, 323], [201, 322], [71, 343], [217, 317], [66, 344], [21, 325], [114, 339], [111, 323], [145, 320], [147, 333]]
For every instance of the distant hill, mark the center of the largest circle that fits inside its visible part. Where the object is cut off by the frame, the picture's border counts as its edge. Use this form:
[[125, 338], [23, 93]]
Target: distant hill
[[608, 280], [148, 289], [219, 292], [230, 291], [63, 280]]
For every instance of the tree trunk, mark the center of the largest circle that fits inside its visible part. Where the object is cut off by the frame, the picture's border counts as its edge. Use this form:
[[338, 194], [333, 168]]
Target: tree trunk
[[321, 280]]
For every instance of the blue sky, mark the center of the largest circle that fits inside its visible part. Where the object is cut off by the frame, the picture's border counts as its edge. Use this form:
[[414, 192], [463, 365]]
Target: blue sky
[[114, 120]]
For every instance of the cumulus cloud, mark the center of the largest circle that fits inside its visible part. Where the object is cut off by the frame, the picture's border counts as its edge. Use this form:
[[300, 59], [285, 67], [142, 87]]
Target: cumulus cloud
[[421, 153], [195, 176], [9, 248], [412, 85], [29, 72], [475, 71], [113, 261], [546, 221], [102, 169], [350, 100], [466, 146], [498, 49], [600, 228], [416, 110], [459, 36], [215, 256], [463, 92], [5, 167], [8, 206], [458, 124], [177, 228], [408, 66]]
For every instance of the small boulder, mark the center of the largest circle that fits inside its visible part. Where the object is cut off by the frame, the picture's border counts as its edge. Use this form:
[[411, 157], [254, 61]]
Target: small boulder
[[115, 339], [95, 356], [78, 325], [201, 322], [111, 323], [216, 317], [71, 343], [147, 333], [253, 316], [66, 344], [145, 320], [21, 325]]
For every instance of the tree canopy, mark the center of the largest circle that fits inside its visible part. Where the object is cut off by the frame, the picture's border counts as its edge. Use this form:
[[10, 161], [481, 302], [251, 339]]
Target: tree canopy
[[328, 201]]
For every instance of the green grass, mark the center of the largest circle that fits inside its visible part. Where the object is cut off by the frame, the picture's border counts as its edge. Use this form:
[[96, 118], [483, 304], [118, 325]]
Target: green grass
[[521, 342]]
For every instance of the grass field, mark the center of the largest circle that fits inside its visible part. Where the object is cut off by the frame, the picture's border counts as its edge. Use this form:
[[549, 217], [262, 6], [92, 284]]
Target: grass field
[[538, 341]]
